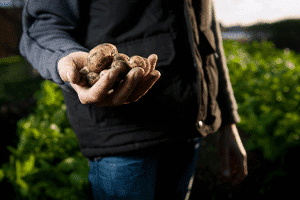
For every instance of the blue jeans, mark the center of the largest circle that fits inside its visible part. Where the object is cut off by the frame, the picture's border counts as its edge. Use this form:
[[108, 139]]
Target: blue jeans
[[165, 174]]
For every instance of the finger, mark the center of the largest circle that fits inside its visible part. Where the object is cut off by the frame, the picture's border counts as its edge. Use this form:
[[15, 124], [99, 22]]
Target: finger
[[238, 166], [103, 72], [237, 178], [80, 59], [126, 87], [144, 85], [152, 60], [66, 68], [123, 68], [69, 66], [99, 90], [147, 67], [138, 61], [241, 173], [234, 175]]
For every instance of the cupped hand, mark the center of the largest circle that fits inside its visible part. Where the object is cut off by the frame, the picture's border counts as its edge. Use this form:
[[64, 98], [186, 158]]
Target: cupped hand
[[102, 93]]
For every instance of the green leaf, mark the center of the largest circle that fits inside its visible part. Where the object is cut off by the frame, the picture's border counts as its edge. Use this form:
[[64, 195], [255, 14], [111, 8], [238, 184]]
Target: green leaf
[[68, 164], [2, 175], [29, 164], [236, 60]]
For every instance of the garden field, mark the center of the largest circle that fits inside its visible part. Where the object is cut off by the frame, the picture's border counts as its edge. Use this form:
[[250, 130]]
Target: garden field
[[46, 162]]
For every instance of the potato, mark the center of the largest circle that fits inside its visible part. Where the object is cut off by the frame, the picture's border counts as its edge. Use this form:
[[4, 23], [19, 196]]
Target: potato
[[123, 67], [101, 57], [85, 70], [92, 78], [121, 56], [138, 61], [104, 57]]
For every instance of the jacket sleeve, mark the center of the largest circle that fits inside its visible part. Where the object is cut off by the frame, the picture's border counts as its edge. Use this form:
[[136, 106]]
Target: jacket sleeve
[[49, 30], [225, 97]]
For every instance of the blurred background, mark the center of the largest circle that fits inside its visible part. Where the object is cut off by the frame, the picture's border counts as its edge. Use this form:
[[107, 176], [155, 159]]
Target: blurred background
[[273, 20], [40, 157]]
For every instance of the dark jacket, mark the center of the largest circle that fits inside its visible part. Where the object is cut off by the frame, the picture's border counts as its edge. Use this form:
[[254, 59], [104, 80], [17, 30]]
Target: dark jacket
[[194, 92]]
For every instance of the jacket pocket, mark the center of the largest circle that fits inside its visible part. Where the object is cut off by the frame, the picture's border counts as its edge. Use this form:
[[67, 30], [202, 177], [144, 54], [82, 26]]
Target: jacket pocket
[[162, 45]]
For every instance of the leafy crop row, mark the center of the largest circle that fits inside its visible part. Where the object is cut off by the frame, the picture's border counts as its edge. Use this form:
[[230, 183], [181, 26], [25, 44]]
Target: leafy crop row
[[266, 83], [47, 162]]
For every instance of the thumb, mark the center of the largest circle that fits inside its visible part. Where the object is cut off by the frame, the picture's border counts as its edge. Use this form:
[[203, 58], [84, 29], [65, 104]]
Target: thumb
[[69, 65], [73, 75], [66, 69]]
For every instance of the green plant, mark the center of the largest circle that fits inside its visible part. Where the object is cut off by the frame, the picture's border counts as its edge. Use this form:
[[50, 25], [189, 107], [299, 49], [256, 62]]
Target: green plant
[[266, 83], [47, 163]]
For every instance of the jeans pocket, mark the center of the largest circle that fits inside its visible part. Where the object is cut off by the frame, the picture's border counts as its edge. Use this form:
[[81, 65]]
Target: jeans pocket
[[123, 177]]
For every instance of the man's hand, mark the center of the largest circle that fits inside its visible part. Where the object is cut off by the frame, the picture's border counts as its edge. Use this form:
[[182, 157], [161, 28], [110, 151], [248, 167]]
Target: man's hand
[[233, 156], [132, 88]]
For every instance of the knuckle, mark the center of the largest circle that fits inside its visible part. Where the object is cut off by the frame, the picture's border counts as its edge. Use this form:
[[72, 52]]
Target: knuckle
[[83, 101], [94, 98], [115, 102]]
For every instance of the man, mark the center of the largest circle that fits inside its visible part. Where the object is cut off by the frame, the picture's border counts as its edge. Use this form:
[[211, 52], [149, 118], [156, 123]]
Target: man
[[150, 124]]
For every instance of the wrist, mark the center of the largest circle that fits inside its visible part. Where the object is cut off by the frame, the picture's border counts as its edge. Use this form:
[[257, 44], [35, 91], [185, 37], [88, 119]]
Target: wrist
[[227, 127]]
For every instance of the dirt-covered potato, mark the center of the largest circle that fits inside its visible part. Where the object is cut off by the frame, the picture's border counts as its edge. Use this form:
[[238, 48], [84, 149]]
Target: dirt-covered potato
[[121, 56], [101, 57], [122, 66], [138, 61], [92, 78], [104, 57]]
